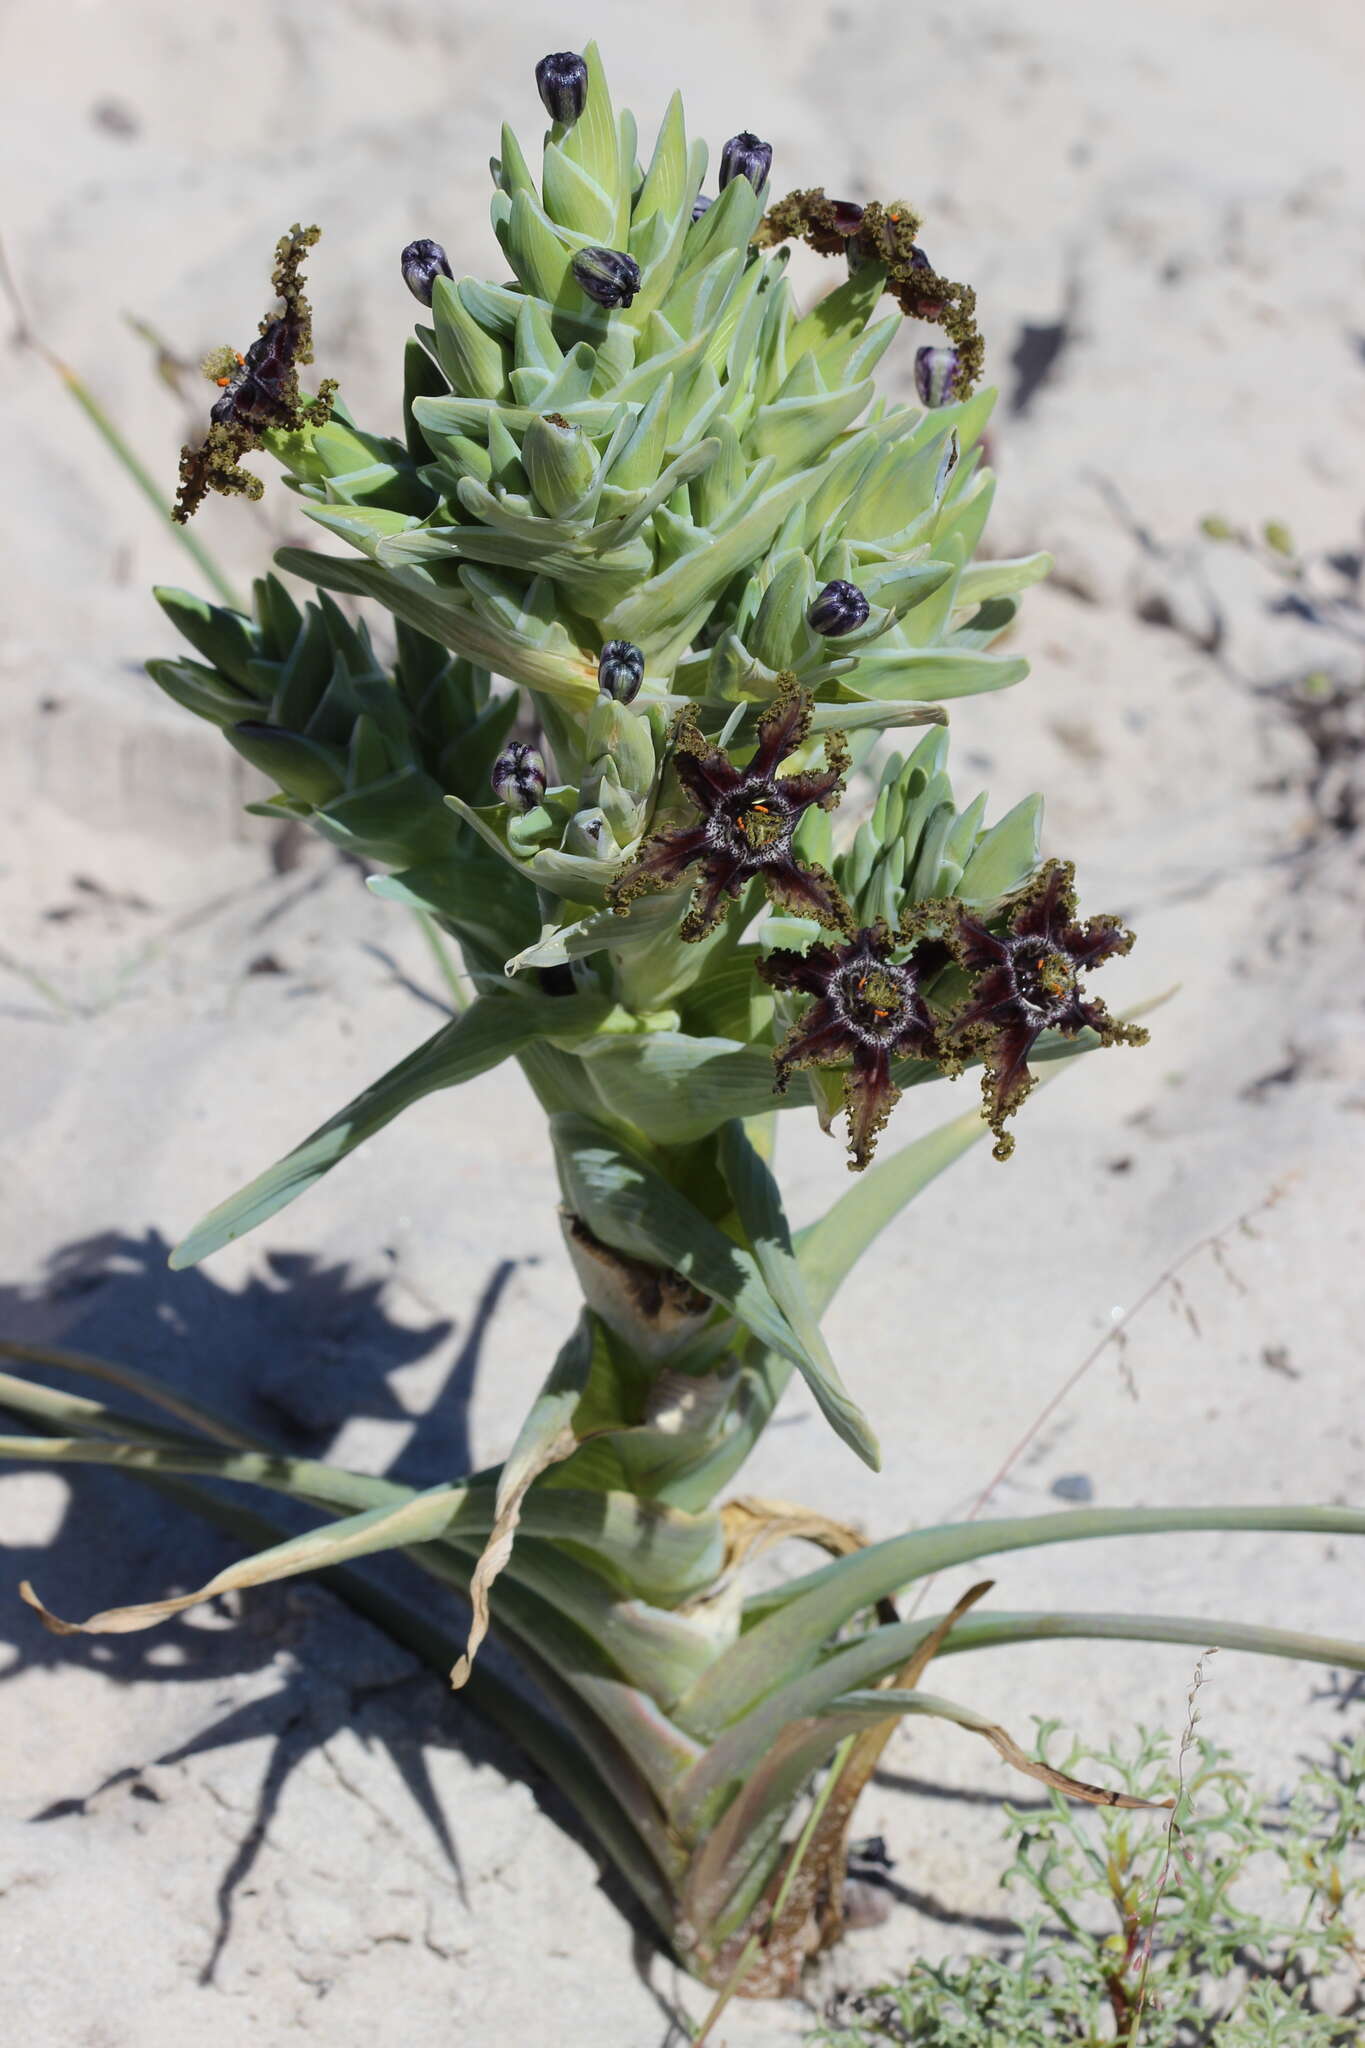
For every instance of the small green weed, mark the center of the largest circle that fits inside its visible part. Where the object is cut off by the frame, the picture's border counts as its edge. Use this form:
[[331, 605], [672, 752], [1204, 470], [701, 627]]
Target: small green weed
[[1256, 1932]]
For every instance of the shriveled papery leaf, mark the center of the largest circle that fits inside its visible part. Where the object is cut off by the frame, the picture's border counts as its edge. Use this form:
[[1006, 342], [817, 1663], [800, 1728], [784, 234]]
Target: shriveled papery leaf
[[816, 1892], [382, 1528], [546, 1438], [715, 1892], [860, 1708]]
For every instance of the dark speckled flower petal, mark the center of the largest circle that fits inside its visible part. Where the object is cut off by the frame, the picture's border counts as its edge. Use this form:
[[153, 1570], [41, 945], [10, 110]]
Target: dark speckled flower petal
[[814, 785], [870, 1095], [807, 971], [749, 816], [868, 1011], [805, 890], [706, 774], [781, 730], [666, 856], [1049, 900], [819, 1039], [1101, 939]]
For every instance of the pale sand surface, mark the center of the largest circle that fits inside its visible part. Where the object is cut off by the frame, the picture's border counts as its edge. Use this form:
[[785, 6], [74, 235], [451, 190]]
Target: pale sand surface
[[263, 1820]]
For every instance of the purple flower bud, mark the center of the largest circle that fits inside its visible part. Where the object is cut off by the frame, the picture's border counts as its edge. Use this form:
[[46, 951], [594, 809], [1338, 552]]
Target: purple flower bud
[[936, 374], [562, 82], [518, 777], [423, 262], [607, 275], [744, 156], [848, 216], [621, 670], [839, 608], [700, 205]]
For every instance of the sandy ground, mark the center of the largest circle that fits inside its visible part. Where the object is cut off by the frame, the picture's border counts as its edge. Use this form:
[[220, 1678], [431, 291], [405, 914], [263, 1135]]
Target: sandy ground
[[264, 1820]]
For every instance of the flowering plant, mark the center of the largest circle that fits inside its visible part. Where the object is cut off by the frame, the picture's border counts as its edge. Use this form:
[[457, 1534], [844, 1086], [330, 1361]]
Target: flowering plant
[[711, 569]]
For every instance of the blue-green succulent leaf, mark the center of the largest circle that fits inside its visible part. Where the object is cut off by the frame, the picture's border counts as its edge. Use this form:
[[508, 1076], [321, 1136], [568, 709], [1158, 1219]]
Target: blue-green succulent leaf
[[629, 1205], [759, 1207], [496, 1026]]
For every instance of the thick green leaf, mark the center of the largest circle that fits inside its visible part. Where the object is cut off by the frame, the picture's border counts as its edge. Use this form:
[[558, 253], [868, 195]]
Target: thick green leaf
[[794, 1623], [677, 1088], [982, 580], [224, 638], [1006, 856], [491, 1030], [447, 615], [629, 1205], [581, 877], [577, 1752], [919, 673], [987, 1631], [204, 691], [655, 613], [759, 1207], [481, 900], [738, 1750]]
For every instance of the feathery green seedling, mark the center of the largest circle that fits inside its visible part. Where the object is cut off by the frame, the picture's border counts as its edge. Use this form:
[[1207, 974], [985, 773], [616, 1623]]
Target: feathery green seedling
[[1255, 1940]]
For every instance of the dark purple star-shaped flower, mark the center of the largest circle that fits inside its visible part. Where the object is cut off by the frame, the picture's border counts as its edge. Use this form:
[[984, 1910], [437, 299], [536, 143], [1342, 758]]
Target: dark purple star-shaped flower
[[1030, 983], [868, 1010], [748, 816]]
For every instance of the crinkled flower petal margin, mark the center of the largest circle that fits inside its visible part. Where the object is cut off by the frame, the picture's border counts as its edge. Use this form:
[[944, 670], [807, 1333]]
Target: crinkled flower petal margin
[[1028, 980]]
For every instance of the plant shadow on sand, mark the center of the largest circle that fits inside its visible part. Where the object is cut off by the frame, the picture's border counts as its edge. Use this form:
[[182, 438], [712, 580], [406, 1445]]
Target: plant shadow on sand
[[300, 1349]]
